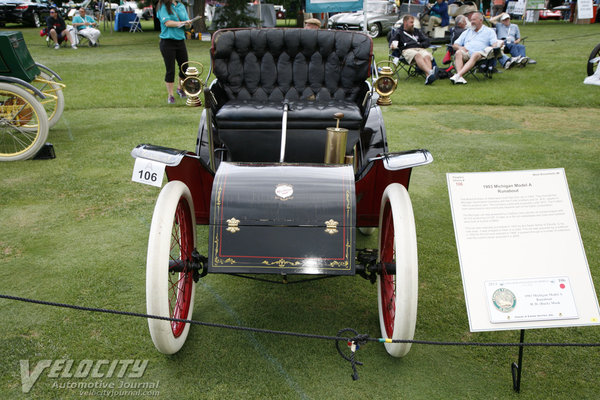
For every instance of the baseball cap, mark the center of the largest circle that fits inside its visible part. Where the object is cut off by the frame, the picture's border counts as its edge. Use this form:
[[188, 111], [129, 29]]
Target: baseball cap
[[504, 16]]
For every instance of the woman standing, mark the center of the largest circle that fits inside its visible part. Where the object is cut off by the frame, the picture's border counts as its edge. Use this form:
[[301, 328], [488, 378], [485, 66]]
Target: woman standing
[[174, 20]]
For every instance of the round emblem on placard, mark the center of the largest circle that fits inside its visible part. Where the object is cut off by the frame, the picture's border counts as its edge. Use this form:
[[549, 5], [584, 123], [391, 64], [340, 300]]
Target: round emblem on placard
[[284, 191], [504, 300]]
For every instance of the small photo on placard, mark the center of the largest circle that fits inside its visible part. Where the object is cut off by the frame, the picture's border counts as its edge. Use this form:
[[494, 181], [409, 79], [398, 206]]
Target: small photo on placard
[[538, 299]]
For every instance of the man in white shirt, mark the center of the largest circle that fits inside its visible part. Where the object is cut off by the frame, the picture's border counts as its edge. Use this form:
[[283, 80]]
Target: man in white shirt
[[470, 47]]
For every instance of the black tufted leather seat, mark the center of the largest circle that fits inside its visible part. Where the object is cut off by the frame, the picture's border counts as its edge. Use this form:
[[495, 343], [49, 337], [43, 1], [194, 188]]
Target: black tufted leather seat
[[319, 72]]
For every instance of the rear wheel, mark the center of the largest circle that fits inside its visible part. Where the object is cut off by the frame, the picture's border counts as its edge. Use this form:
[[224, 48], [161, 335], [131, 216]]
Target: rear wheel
[[397, 292], [54, 103], [593, 61], [170, 294], [23, 124]]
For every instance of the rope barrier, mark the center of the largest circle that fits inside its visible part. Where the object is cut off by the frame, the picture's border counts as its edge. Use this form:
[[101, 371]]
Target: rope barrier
[[354, 342]]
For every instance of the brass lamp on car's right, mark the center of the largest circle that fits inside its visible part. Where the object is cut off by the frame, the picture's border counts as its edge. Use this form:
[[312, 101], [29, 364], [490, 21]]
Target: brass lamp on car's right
[[192, 85], [385, 85]]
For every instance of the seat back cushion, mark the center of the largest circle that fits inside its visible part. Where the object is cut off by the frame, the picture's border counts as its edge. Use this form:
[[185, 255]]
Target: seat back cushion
[[277, 63]]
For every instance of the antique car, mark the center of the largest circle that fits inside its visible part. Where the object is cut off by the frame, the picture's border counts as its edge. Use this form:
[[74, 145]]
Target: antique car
[[26, 12], [291, 161], [31, 100], [380, 17]]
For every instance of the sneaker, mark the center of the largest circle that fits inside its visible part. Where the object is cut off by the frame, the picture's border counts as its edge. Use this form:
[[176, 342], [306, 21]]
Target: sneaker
[[56, 46], [431, 77], [181, 93], [524, 61], [453, 78], [460, 81], [170, 100], [509, 63], [532, 61], [74, 47]]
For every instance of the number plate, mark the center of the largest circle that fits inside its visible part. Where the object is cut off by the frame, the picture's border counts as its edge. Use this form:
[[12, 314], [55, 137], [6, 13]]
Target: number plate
[[148, 172]]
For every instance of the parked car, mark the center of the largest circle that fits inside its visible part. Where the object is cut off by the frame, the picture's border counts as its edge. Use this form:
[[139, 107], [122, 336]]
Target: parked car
[[381, 16], [550, 14], [147, 13], [26, 12], [279, 12]]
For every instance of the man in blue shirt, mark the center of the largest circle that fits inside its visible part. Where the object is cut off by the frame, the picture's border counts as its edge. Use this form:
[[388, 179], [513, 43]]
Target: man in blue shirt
[[511, 36], [86, 26], [471, 46], [438, 16]]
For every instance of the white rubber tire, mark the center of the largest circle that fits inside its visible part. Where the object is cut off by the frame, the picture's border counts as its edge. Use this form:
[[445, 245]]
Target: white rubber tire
[[160, 251], [367, 231], [29, 136], [405, 283]]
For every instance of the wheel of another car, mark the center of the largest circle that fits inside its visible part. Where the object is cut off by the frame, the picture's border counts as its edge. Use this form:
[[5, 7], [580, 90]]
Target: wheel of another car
[[35, 20], [397, 284], [593, 60], [375, 30], [23, 124], [54, 103], [171, 242]]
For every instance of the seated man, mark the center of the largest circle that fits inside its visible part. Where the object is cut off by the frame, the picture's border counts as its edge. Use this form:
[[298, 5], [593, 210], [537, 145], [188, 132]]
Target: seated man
[[460, 24], [412, 43], [512, 36], [56, 29], [471, 46], [438, 16], [86, 26]]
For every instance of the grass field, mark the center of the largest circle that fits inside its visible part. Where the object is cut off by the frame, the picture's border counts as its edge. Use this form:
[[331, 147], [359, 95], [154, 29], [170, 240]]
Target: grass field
[[74, 230]]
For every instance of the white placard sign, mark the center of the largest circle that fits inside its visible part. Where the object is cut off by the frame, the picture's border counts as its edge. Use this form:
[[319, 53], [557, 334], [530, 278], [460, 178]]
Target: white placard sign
[[518, 7], [585, 9], [148, 172], [521, 256]]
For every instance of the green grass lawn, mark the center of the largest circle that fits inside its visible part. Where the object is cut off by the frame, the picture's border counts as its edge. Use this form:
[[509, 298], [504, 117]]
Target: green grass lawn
[[74, 230]]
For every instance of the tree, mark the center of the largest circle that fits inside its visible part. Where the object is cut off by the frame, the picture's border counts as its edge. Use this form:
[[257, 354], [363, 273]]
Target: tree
[[235, 15], [198, 9]]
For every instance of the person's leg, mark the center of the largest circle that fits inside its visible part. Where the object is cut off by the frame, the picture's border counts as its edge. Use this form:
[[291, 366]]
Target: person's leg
[[469, 64], [459, 58], [182, 57], [53, 36], [424, 63], [168, 53], [433, 22], [517, 50]]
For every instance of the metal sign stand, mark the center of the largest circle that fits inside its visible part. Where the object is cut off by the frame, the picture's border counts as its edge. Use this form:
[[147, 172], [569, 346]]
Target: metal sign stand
[[517, 368], [106, 16]]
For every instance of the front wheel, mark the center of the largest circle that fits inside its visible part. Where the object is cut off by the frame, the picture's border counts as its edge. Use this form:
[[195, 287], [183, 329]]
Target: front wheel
[[397, 292], [374, 30], [593, 61], [23, 124], [170, 294]]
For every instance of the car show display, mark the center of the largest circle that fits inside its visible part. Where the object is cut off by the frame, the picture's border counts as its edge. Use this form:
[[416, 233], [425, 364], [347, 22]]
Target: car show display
[[260, 181]]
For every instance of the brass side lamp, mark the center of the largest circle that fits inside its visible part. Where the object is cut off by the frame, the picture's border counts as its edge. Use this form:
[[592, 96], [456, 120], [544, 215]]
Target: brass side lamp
[[192, 85], [385, 85], [335, 145]]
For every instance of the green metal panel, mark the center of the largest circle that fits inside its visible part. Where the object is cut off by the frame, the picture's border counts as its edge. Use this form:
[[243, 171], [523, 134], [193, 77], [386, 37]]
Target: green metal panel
[[15, 59]]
